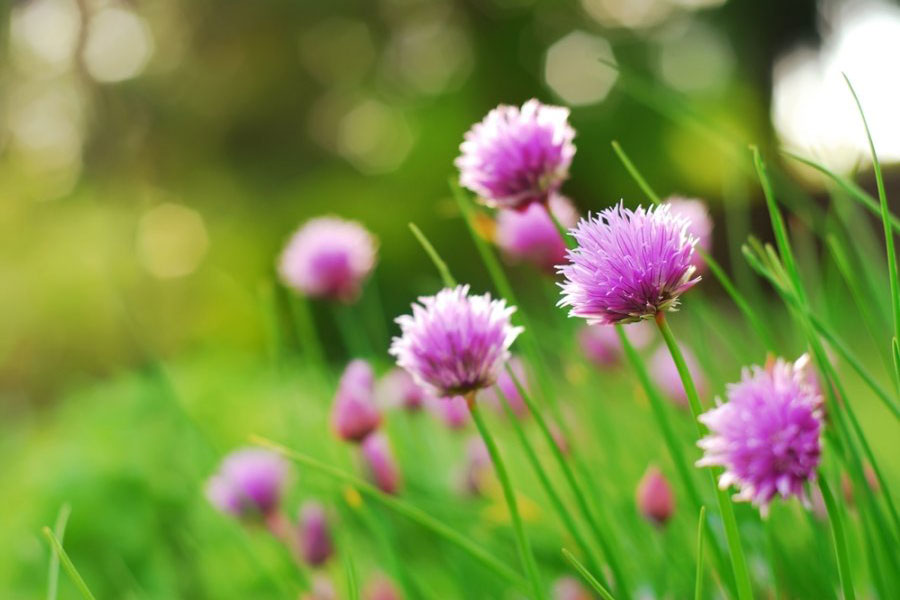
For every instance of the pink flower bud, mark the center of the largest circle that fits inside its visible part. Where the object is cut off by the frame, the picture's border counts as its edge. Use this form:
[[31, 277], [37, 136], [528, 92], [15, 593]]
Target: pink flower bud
[[315, 538], [654, 497], [354, 414], [379, 459], [248, 484]]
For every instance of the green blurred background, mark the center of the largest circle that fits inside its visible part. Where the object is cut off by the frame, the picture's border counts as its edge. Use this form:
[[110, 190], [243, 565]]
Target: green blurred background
[[155, 155]]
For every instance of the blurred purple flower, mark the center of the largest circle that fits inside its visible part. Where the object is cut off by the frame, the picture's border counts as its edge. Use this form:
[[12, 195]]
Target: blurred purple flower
[[248, 483], [328, 257], [665, 375], [655, 499], [767, 436], [452, 411], [478, 466], [529, 235], [354, 413], [454, 343], [700, 224], [601, 344], [569, 588], [509, 390], [399, 388], [316, 545], [629, 265], [516, 156], [379, 459]]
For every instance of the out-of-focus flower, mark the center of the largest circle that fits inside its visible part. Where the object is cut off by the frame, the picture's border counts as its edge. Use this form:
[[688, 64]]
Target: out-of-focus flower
[[700, 224], [767, 436], [530, 235], [354, 414], [380, 461], [454, 343], [516, 156], [381, 588], [601, 344], [559, 438], [399, 388], [569, 588], [452, 411], [509, 391], [478, 466], [329, 258], [322, 589], [655, 499], [248, 483], [629, 265], [665, 375], [316, 545]]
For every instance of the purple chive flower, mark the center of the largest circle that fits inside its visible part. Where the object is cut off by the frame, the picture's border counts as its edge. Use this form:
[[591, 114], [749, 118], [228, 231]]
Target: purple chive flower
[[509, 390], [529, 235], [316, 545], [655, 499], [453, 343], [601, 345], [767, 436], [517, 156], [478, 466], [665, 375], [399, 388], [354, 413], [379, 460], [329, 258], [248, 483], [629, 265], [452, 411], [700, 224], [569, 588]]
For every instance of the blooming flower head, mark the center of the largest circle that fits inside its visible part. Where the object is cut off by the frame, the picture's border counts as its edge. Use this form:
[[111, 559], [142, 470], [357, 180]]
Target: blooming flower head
[[454, 343], [509, 392], [530, 235], [316, 545], [399, 388], [655, 499], [248, 483], [629, 265], [666, 377], [380, 462], [700, 224], [767, 436], [517, 156], [354, 413], [452, 411], [328, 257], [601, 344]]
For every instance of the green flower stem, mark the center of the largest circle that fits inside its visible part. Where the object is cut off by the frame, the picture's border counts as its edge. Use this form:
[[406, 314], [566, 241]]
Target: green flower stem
[[59, 530], [564, 514], [698, 585], [400, 507], [525, 553], [592, 581], [68, 565], [839, 538], [738, 560]]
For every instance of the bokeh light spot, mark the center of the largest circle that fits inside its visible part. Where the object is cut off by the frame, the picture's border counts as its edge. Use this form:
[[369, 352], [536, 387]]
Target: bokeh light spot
[[119, 45], [573, 70], [171, 240]]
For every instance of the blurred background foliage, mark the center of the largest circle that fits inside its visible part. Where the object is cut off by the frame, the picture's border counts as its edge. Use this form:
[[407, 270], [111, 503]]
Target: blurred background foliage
[[155, 155]]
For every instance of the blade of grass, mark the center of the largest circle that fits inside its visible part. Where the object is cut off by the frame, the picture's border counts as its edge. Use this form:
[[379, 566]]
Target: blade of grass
[[698, 586], [350, 574], [67, 564], [839, 537], [439, 263], [400, 507], [592, 581], [59, 530]]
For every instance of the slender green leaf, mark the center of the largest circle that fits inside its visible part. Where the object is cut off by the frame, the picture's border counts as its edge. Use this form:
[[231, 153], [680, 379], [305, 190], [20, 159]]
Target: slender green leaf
[[839, 537], [596, 585], [698, 585], [59, 530], [68, 565]]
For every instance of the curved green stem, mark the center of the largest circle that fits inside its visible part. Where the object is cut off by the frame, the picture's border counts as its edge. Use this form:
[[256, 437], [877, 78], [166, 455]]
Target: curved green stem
[[525, 554], [588, 576], [68, 565], [839, 538]]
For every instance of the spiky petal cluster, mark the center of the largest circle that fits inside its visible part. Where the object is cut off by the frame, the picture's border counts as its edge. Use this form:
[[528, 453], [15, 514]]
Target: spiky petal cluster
[[767, 436], [530, 235], [328, 257], [517, 156], [454, 343], [700, 224], [248, 483], [629, 265]]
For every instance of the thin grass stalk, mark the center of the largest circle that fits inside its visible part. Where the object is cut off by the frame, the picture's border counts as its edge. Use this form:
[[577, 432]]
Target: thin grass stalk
[[732, 536], [59, 530], [698, 585], [587, 575], [440, 265], [886, 222], [400, 507], [67, 564], [350, 574], [562, 512], [839, 538], [524, 546]]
